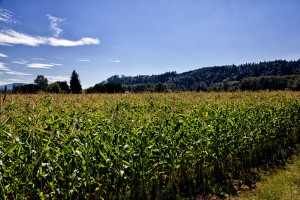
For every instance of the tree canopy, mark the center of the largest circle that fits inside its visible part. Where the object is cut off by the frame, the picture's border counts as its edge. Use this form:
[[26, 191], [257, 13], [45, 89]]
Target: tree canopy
[[58, 87], [41, 81]]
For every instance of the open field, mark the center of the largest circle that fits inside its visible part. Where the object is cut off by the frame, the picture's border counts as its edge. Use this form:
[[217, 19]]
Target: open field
[[142, 146]]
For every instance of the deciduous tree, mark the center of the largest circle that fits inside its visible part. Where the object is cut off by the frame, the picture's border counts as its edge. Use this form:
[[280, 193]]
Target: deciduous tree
[[41, 81]]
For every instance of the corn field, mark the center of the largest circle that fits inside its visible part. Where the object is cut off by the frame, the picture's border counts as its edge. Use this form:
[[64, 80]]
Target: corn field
[[141, 146]]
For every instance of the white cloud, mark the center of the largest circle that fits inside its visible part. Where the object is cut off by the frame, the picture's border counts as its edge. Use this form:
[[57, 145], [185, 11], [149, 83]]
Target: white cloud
[[84, 60], [39, 65], [11, 37], [55, 23], [3, 55], [68, 43], [20, 62], [6, 16], [115, 61], [57, 78], [3, 67], [42, 65], [18, 73]]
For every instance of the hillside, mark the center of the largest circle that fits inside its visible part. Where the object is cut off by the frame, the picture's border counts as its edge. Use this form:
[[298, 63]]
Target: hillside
[[278, 74]]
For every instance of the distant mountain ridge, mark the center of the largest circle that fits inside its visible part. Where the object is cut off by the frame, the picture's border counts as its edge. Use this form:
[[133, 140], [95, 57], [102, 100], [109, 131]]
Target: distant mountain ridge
[[215, 78]]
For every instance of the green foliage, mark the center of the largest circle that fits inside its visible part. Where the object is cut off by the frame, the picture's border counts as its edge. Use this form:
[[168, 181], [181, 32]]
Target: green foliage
[[58, 87], [109, 88], [279, 184], [294, 83], [75, 84], [41, 81], [202, 87], [64, 86], [271, 83], [53, 88], [159, 87], [146, 146], [26, 89], [220, 78]]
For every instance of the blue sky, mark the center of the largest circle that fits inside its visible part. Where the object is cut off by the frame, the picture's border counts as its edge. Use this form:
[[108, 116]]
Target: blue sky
[[101, 38]]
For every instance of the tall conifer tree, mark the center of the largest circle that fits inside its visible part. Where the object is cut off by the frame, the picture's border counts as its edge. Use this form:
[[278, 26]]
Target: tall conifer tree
[[75, 84]]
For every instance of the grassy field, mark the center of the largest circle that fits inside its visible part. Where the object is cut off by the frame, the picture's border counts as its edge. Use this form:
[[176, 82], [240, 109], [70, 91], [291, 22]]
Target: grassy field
[[142, 146], [277, 185]]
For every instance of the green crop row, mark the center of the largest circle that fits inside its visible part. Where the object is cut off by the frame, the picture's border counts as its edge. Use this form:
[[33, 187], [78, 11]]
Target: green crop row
[[146, 146]]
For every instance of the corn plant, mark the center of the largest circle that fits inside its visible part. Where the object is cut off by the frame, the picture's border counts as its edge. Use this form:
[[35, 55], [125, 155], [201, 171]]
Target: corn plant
[[143, 146]]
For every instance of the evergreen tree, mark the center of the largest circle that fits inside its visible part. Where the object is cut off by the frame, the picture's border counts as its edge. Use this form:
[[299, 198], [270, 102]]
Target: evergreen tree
[[75, 83]]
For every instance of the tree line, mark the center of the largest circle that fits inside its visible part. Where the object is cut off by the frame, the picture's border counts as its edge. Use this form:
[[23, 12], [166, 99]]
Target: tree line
[[272, 75], [41, 84]]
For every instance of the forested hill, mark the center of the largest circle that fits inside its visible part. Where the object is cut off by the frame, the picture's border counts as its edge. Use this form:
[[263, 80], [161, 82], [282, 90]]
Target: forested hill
[[278, 74]]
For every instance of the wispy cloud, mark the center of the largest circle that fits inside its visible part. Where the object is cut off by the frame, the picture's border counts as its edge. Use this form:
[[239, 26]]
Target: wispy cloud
[[68, 43], [15, 80], [84, 60], [115, 61], [3, 67], [57, 78], [39, 65], [55, 24], [18, 73], [20, 62], [42, 65], [6, 16], [37, 58], [3, 55], [11, 37]]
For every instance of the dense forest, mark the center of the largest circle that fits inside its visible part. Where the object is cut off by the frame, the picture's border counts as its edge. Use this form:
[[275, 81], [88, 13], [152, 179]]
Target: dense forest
[[272, 75]]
